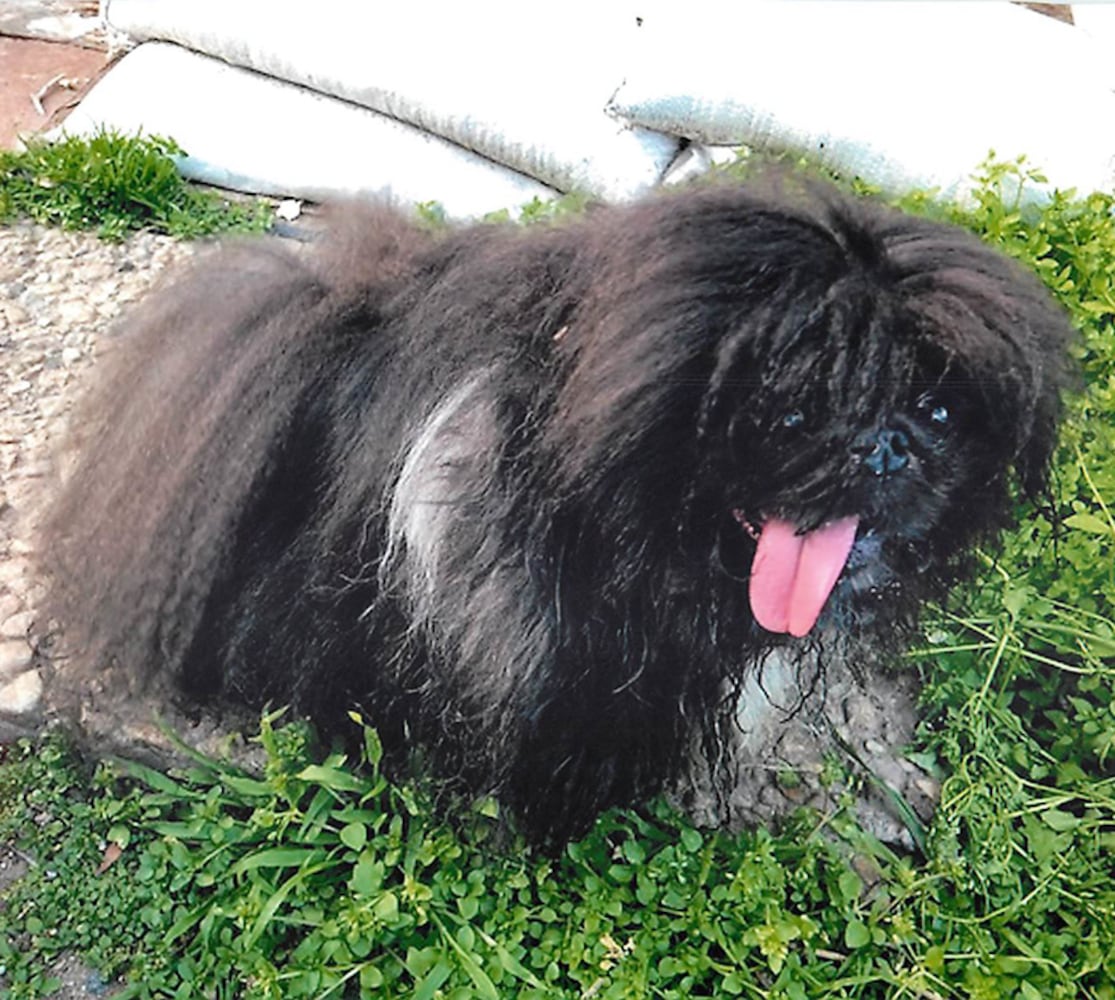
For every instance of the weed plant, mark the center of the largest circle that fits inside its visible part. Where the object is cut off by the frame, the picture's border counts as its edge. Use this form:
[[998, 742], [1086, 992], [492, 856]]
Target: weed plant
[[116, 184], [320, 878]]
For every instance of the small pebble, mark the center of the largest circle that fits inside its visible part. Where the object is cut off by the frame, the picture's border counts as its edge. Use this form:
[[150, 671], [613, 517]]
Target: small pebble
[[15, 657], [21, 695], [17, 625]]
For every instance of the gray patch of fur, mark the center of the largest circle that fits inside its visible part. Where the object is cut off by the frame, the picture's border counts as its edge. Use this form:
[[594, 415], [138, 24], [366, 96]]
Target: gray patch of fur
[[428, 492]]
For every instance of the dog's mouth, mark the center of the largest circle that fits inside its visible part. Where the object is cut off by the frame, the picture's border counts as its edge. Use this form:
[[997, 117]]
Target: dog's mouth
[[793, 572]]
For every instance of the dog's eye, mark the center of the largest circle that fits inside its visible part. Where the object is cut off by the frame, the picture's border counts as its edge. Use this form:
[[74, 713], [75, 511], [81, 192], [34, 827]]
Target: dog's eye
[[793, 420], [934, 410]]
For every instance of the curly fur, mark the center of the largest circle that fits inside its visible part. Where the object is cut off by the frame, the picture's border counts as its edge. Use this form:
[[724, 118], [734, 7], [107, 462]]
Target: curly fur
[[500, 486]]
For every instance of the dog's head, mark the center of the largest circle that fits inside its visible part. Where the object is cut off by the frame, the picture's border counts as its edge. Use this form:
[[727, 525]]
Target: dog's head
[[827, 395]]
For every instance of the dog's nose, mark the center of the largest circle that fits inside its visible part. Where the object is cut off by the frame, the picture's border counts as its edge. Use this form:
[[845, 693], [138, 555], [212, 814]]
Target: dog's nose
[[885, 451]]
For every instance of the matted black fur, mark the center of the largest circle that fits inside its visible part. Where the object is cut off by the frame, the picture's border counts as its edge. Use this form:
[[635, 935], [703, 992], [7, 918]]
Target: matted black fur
[[502, 487]]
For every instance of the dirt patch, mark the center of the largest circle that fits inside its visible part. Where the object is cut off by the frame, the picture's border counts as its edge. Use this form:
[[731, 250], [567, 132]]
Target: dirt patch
[[40, 82], [78, 981], [51, 53], [13, 865]]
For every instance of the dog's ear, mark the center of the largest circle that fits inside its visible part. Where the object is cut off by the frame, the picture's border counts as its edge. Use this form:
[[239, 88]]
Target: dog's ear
[[1047, 370], [997, 330], [1024, 405], [1034, 453]]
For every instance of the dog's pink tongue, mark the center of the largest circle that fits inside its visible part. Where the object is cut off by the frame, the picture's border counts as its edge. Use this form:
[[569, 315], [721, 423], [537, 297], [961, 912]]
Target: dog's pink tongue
[[792, 575]]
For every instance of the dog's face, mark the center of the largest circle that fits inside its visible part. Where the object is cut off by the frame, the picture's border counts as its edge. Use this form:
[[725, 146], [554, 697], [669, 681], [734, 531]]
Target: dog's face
[[838, 513], [854, 390], [877, 428]]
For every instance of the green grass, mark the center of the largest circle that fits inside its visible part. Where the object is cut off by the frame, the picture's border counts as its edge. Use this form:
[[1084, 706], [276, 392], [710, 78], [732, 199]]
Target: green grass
[[318, 878], [116, 184]]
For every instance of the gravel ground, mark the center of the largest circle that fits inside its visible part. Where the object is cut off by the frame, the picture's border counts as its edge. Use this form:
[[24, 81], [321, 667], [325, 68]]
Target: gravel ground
[[60, 293]]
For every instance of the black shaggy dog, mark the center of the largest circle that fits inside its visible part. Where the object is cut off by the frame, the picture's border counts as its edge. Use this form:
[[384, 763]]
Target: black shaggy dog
[[546, 501]]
